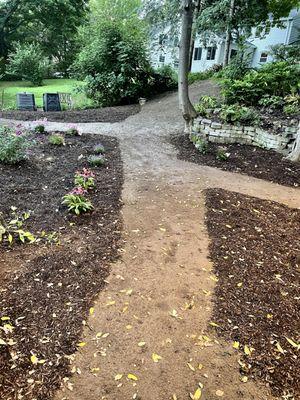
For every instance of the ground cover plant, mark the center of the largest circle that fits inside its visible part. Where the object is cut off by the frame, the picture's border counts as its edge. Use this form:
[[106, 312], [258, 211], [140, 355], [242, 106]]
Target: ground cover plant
[[255, 250], [250, 160], [47, 289]]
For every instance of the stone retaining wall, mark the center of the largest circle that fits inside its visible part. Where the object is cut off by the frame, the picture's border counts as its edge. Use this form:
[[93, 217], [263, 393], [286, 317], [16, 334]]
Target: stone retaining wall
[[224, 134]]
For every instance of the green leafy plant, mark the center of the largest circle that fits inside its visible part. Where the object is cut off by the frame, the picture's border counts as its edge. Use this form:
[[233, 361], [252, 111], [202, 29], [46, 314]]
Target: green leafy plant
[[99, 149], [76, 201], [236, 114], [56, 139], [271, 102], [85, 179], [28, 62], [292, 104], [13, 145], [40, 129], [221, 154], [96, 160], [206, 105], [12, 229], [200, 144], [72, 130]]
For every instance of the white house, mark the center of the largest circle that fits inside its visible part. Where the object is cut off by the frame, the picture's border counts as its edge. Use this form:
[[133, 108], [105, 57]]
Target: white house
[[164, 50]]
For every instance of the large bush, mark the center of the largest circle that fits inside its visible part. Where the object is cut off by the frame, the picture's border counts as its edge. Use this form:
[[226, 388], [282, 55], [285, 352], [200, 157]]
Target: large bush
[[28, 62], [274, 79], [13, 145], [115, 66]]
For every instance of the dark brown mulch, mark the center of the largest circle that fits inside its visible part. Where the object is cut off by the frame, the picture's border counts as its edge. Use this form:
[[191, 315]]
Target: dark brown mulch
[[249, 160], [106, 114], [50, 293], [255, 249]]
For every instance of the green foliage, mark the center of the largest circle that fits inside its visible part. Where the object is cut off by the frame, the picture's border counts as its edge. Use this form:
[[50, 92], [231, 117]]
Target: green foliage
[[77, 203], [72, 131], [29, 63], [200, 144], [271, 102], [85, 179], [12, 228], [292, 104], [238, 65], [96, 160], [236, 114], [290, 53], [274, 79], [221, 154], [40, 129], [13, 147], [206, 105], [56, 139], [99, 149], [200, 76]]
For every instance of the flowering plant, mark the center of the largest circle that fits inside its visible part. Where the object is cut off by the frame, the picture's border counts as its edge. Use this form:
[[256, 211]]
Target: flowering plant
[[77, 202], [85, 179]]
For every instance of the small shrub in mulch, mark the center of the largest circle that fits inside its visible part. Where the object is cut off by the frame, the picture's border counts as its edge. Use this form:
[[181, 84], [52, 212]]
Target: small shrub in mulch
[[106, 114], [255, 249], [249, 160], [49, 290]]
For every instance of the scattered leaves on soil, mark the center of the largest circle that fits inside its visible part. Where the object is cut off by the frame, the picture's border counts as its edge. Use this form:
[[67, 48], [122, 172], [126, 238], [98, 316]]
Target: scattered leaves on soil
[[261, 250], [249, 160]]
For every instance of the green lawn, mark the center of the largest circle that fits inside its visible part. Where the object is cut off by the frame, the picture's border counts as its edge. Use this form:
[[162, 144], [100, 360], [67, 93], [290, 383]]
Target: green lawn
[[50, 86]]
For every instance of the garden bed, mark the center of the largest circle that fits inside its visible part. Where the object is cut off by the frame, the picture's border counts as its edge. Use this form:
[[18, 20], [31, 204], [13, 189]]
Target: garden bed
[[48, 289], [255, 249], [253, 161], [106, 114]]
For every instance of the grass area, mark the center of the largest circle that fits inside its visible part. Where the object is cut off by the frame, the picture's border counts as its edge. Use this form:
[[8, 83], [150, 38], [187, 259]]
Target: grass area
[[50, 86]]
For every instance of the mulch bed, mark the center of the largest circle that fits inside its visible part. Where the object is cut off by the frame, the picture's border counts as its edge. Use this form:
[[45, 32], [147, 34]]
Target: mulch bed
[[249, 160], [107, 114], [50, 292], [255, 249]]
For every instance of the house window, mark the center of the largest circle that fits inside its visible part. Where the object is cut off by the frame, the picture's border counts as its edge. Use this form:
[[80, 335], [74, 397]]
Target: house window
[[162, 58], [162, 39], [263, 57], [198, 53], [233, 53], [211, 53]]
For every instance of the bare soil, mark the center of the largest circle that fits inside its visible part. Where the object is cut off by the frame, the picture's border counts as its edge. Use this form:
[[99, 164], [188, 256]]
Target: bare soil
[[106, 114], [249, 160], [46, 290], [255, 250]]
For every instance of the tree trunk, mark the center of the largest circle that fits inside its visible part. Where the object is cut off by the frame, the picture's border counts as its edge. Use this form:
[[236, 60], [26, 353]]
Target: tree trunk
[[228, 35], [187, 108], [194, 33], [295, 153]]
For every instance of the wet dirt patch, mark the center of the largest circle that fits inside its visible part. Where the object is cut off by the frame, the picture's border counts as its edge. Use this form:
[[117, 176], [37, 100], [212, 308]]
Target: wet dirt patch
[[255, 249], [106, 114], [249, 160], [48, 295]]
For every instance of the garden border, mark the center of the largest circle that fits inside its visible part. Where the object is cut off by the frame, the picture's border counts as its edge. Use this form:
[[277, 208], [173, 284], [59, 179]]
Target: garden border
[[217, 132]]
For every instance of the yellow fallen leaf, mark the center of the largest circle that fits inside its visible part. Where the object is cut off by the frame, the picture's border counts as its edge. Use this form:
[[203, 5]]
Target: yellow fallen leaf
[[132, 377], [279, 348], [236, 345], [219, 393], [228, 226], [269, 316], [92, 310], [81, 344], [156, 357], [4, 318], [128, 327], [244, 379], [200, 366], [141, 344], [247, 350], [174, 397], [34, 359], [214, 324], [95, 370], [294, 344], [162, 229], [129, 292], [240, 284], [197, 395], [191, 367], [118, 377], [110, 303], [2, 343], [105, 335], [98, 335], [214, 278]]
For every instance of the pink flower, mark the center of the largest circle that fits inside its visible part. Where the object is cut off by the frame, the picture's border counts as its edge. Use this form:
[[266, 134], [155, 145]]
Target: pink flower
[[79, 191], [85, 173]]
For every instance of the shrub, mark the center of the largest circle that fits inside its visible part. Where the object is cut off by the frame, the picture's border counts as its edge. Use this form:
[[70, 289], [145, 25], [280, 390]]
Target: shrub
[[274, 79], [221, 154], [72, 131], [40, 129], [271, 102], [234, 113], [96, 160], [282, 52], [76, 202], [12, 229], [206, 105], [292, 104], [99, 149], [200, 144], [200, 76], [13, 145], [57, 139], [85, 179], [29, 63]]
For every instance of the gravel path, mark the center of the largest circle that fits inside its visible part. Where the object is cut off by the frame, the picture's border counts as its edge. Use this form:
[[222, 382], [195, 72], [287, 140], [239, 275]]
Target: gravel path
[[164, 267]]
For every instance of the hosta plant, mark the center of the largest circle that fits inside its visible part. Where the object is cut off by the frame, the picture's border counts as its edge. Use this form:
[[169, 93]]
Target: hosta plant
[[76, 201], [85, 179], [57, 139], [99, 149], [12, 229], [96, 160]]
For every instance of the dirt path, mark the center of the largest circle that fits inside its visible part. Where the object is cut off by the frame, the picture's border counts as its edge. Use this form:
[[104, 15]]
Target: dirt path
[[164, 267]]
